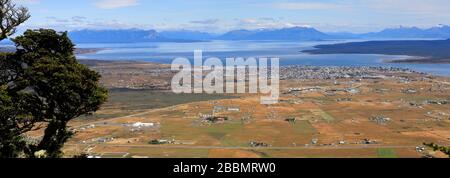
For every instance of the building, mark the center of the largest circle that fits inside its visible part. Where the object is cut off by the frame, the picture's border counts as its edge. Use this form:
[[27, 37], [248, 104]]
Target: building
[[140, 124]]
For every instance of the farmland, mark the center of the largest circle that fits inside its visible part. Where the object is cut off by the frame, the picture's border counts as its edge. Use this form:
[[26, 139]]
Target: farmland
[[379, 118]]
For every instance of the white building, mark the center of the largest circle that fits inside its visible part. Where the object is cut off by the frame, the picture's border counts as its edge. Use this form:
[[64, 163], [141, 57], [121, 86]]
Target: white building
[[140, 124]]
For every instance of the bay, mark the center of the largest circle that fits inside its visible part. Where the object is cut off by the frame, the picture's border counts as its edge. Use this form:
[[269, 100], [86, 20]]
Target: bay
[[289, 53]]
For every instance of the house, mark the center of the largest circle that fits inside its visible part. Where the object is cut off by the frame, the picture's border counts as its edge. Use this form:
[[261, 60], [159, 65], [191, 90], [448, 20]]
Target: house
[[352, 90], [258, 144], [140, 124], [216, 119], [219, 108], [234, 109], [159, 142], [410, 91], [291, 120], [381, 120]]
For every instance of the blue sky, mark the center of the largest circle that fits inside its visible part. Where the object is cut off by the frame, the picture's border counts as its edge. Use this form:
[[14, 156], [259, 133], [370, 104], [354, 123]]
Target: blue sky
[[222, 15]]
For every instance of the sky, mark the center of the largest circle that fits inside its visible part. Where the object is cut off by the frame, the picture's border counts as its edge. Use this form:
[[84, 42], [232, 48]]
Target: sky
[[217, 16]]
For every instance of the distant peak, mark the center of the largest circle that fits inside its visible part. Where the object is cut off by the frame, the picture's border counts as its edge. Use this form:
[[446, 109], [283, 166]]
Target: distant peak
[[407, 27], [441, 26]]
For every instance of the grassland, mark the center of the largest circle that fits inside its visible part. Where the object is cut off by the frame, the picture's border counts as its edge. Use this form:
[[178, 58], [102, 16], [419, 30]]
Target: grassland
[[123, 102], [386, 153]]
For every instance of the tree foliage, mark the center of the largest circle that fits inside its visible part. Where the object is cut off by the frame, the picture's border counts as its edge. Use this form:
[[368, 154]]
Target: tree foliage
[[43, 84], [42, 87], [11, 16]]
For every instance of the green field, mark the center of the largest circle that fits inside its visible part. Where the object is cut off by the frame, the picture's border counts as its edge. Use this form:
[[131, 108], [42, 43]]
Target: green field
[[325, 116], [386, 153], [304, 127]]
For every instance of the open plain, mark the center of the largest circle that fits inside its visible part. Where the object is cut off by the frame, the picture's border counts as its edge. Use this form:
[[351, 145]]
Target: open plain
[[376, 113]]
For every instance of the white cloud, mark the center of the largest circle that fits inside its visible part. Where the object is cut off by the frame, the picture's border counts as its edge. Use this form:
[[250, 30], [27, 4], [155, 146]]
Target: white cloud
[[307, 6], [436, 8], [114, 4], [81, 22], [412, 7], [265, 23], [206, 21]]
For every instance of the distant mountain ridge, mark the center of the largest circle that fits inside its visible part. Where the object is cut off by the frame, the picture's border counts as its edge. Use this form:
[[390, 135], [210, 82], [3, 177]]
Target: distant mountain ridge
[[119, 36], [441, 31], [286, 34], [136, 35], [188, 35], [283, 34]]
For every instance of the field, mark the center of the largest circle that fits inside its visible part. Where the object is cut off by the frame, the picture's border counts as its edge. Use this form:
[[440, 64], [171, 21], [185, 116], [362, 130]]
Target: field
[[382, 120], [123, 102]]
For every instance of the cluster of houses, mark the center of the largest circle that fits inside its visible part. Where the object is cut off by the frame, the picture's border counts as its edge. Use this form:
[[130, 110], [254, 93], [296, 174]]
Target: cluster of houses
[[438, 102], [258, 144], [381, 120], [215, 118], [315, 72], [161, 142]]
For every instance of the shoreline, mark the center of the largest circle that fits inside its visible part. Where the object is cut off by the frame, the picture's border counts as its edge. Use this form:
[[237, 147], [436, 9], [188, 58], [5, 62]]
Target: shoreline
[[88, 50], [418, 60]]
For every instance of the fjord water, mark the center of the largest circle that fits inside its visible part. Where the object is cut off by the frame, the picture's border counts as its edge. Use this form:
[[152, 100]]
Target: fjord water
[[289, 53]]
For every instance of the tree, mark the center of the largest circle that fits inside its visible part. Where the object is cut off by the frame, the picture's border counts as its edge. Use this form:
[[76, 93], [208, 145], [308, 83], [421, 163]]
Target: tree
[[11, 16], [61, 88], [42, 83], [16, 119], [43, 87], [13, 120], [435, 147]]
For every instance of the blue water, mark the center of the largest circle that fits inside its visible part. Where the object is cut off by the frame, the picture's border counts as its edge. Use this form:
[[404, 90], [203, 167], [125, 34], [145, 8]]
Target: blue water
[[288, 52]]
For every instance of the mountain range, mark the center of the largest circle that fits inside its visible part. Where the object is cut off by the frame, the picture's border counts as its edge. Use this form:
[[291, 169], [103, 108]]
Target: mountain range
[[294, 33], [283, 34], [441, 31], [121, 36]]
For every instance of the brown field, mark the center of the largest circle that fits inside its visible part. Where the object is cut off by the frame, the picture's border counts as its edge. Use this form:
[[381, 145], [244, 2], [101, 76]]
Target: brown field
[[338, 128]]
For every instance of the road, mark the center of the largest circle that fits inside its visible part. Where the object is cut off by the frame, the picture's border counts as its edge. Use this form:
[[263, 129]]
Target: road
[[252, 148]]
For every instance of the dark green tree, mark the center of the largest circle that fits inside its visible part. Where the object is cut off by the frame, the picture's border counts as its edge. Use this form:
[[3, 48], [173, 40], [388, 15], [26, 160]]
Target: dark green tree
[[61, 88], [43, 87], [14, 121]]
